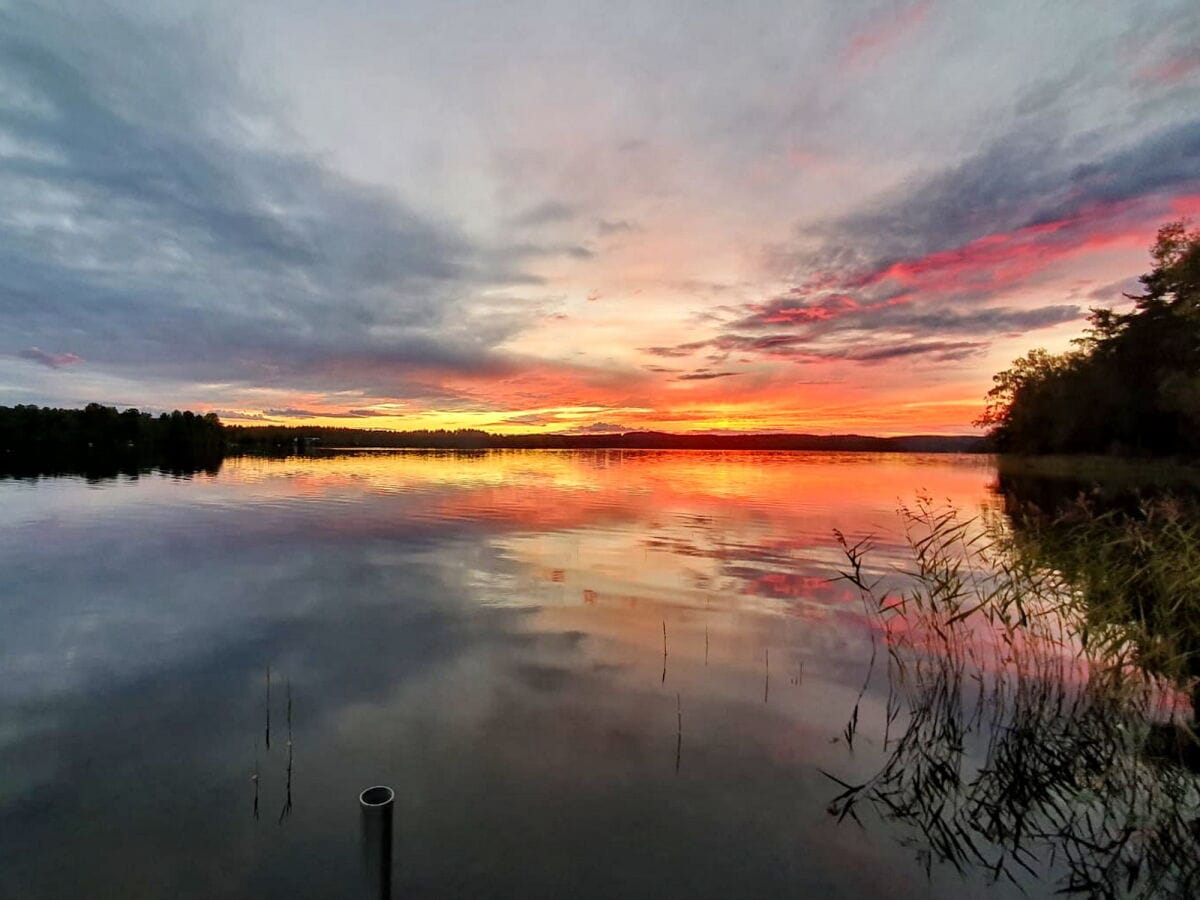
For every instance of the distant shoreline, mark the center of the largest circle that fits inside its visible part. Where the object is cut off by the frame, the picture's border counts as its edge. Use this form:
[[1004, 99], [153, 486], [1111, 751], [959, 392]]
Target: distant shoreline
[[100, 440], [257, 439]]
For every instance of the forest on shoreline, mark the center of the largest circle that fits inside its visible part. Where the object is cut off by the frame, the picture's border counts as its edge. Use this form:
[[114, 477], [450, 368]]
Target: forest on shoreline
[[280, 438], [1130, 386], [102, 439]]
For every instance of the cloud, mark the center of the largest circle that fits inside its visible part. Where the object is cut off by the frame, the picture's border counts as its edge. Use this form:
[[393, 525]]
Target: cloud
[[290, 412], [238, 415], [847, 331], [678, 350], [942, 351], [1177, 67], [202, 253], [528, 249], [840, 314], [294, 413], [604, 227], [597, 428], [549, 213], [888, 281], [1030, 182], [197, 212], [1115, 291], [50, 360], [367, 413], [530, 419], [797, 310], [883, 32], [701, 375]]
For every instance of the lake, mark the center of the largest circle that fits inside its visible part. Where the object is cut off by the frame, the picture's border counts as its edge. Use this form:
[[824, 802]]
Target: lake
[[587, 674]]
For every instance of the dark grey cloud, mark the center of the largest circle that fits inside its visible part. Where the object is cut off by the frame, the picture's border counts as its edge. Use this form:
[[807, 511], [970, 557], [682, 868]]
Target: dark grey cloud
[[701, 375], [841, 329], [548, 213], [990, 321], [876, 349], [367, 413], [1030, 176], [597, 428], [48, 359], [840, 314], [604, 227], [238, 416], [678, 350], [1116, 291], [529, 419], [343, 414], [941, 351], [528, 249], [142, 220]]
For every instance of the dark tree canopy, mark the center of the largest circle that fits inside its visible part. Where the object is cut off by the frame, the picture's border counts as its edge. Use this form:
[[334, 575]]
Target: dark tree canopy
[[101, 439], [1131, 385]]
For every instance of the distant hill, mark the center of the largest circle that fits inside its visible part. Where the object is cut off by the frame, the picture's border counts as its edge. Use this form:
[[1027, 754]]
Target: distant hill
[[101, 440], [281, 438]]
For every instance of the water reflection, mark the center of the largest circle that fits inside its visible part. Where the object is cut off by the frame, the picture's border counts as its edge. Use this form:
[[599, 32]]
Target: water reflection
[[1011, 745], [515, 641]]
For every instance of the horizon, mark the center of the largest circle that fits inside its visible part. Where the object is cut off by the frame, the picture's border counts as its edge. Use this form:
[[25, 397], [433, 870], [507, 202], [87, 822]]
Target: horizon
[[603, 434], [256, 424], [801, 218]]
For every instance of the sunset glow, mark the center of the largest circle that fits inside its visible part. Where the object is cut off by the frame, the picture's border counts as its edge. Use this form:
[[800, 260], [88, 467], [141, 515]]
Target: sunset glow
[[792, 217]]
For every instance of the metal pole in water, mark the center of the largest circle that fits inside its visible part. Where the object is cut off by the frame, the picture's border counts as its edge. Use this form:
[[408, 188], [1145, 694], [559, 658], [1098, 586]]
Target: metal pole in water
[[377, 803]]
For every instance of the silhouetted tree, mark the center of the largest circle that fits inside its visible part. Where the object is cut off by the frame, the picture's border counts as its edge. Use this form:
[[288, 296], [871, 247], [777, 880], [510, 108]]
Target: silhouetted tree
[[101, 440], [1132, 385]]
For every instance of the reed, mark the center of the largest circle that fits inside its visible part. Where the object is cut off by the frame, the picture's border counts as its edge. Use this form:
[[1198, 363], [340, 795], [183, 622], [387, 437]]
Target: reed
[[268, 709], [1033, 722], [678, 731], [664, 672]]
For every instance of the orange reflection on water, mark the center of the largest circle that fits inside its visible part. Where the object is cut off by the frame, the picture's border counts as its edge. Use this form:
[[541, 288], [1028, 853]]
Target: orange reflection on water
[[746, 530]]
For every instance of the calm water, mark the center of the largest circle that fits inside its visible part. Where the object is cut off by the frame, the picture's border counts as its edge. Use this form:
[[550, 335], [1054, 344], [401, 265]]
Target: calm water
[[485, 633]]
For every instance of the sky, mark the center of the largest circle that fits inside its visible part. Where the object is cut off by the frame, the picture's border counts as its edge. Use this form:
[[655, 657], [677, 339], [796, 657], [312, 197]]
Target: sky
[[579, 217]]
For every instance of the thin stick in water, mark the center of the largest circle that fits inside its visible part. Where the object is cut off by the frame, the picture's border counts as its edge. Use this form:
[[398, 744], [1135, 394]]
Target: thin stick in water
[[268, 707], [678, 731], [254, 778], [766, 673], [664, 677], [287, 803]]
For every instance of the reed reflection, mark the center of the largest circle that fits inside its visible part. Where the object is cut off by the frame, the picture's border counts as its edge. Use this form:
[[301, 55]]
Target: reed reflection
[[1011, 744]]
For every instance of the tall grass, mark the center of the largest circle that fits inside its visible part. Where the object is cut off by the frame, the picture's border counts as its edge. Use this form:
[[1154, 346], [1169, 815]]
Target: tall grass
[[1025, 727], [1138, 573]]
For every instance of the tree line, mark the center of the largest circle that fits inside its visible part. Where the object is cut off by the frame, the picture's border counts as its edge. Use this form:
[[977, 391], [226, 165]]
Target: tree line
[[282, 439], [1130, 385], [103, 440]]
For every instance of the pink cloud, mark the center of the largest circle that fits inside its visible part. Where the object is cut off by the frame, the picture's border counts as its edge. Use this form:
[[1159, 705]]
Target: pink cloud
[[879, 36], [1006, 259], [48, 359], [1172, 70]]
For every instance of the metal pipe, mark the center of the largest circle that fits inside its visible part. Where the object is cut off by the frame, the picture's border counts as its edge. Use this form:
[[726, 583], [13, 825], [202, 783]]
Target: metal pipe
[[377, 803]]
